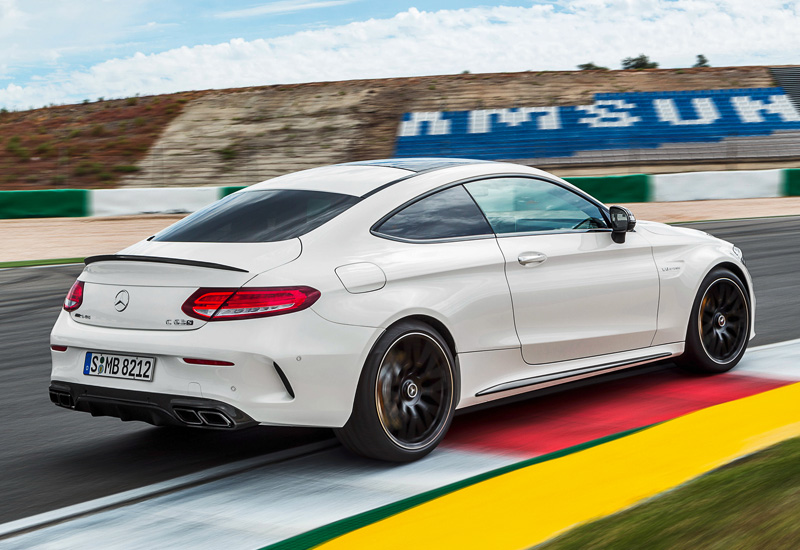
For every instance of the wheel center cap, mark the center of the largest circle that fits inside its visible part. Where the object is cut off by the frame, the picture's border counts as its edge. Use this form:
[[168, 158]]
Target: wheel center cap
[[721, 320], [411, 390]]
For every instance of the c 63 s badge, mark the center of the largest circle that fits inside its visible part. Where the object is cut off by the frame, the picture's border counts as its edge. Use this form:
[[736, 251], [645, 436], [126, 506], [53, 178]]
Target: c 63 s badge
[[180, 322]]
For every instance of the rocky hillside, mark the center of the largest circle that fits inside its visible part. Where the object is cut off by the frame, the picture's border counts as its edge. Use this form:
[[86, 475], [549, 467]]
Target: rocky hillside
[[238, 137], [91, 145]]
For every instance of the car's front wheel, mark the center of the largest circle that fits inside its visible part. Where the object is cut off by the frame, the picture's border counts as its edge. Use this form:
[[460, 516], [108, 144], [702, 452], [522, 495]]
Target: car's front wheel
[[406, 396], [719, 326]]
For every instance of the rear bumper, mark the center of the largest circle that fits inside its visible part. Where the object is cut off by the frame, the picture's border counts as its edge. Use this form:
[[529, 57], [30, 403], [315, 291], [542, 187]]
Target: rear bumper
[[154, 408], [290, 370]]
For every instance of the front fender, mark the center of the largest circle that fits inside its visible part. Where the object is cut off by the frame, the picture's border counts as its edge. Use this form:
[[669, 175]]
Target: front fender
[[683, 259]]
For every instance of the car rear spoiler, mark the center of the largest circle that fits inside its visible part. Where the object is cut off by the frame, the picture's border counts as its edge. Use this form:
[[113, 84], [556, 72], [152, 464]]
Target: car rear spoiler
[[160, 260]]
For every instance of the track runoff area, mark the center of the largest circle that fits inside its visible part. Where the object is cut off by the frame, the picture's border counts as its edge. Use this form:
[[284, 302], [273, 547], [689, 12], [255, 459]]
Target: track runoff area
[[511, 476]]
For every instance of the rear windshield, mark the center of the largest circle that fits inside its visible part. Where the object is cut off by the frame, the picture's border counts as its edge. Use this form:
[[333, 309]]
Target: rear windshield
[[258, 217]]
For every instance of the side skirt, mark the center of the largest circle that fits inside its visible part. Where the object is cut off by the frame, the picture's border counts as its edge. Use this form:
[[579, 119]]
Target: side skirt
[[570, 375], [491, 375]]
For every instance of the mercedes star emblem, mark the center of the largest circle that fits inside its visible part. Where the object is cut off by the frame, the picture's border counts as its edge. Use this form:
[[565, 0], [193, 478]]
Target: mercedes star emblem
[[121, 301]]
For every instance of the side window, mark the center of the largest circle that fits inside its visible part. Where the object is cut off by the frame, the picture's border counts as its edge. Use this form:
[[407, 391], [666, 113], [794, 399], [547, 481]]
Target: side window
[[518, 205], [444, 215]]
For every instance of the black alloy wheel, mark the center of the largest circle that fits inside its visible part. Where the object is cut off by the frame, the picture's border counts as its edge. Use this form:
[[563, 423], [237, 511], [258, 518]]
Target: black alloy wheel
[[723, 320], [719, 326], [406, 396], [414, 390]]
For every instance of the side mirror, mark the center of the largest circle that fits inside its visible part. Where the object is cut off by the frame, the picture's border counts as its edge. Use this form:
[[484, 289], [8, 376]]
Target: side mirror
[[622, 221]]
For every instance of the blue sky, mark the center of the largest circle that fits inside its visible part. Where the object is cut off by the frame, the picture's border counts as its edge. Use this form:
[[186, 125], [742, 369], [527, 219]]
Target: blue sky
[[113, 29], [65, 51]]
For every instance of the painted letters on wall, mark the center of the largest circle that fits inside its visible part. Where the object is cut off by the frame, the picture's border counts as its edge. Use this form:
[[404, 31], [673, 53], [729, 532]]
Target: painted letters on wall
[[615, 121]]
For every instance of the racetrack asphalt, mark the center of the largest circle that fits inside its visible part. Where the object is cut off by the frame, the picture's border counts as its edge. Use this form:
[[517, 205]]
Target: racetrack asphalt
[[51, 457]]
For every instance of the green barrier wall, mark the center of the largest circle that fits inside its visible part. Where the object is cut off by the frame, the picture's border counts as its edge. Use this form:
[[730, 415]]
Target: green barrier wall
[[225, 191], [76, 202], [612, 189], [54, 203], [791, 182]]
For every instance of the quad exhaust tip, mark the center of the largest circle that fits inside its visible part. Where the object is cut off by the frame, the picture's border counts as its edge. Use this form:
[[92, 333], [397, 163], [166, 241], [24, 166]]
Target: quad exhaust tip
[[192, 417], [215, 418], [188, 416], [62, 399]]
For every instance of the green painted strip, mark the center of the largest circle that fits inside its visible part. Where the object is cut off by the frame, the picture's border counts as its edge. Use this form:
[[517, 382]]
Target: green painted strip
[[612, 189], [320, 535], [225, 191], [31, 263], [791, 182], [52, 203]]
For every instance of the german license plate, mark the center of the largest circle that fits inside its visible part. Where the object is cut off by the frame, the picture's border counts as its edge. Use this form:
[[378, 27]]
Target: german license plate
[[132, 367]]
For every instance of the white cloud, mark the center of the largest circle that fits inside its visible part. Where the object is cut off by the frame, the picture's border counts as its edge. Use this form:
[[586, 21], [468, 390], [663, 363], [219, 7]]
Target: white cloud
[[283, 6], [153, 25], [541, 37], [35, 33], [11, 16]]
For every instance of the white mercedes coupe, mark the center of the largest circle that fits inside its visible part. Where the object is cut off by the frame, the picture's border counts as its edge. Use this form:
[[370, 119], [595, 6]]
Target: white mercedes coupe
[[378, 297]]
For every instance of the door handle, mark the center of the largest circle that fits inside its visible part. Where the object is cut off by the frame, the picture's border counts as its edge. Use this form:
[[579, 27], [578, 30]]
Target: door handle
[[532, 258]]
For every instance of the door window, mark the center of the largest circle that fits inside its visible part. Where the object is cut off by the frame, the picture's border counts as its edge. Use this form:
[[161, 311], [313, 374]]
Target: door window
[[522, 205]]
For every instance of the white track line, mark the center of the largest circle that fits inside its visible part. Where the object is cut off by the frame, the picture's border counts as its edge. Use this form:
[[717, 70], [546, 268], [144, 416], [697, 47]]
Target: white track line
[[778, 361], [149, 491], [775, 345], [261, 506]]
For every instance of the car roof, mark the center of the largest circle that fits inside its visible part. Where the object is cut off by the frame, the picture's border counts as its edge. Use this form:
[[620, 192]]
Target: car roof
[[419, 164], [359, 178]]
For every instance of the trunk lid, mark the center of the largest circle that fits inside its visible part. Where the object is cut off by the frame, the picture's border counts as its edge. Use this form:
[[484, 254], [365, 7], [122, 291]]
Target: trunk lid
[[145, 285]]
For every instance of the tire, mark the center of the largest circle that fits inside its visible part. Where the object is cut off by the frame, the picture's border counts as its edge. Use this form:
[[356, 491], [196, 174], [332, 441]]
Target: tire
[[719, 325], [406, 396]]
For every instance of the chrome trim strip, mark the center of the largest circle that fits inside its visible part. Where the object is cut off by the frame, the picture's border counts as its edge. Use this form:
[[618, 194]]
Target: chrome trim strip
[[516, 384]]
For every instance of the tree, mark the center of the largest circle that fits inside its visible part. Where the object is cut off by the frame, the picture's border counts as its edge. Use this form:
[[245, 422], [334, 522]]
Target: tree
[[639, 62], [701, 61], [590, 66]]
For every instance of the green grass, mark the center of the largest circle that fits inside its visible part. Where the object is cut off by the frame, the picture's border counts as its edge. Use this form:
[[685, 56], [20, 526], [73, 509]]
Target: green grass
[[31, 263], [752, 503]]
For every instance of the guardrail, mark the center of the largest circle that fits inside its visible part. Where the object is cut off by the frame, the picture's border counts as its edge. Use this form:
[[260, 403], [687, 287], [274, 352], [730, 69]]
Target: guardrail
[[77, 203], [689, 186]]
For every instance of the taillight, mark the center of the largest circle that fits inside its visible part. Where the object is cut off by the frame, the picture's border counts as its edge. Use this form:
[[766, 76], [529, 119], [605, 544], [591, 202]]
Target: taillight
[[74, 297], [223, 304]]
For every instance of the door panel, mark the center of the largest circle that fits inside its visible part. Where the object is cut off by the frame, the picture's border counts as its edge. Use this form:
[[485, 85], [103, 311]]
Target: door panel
[[589, 296]]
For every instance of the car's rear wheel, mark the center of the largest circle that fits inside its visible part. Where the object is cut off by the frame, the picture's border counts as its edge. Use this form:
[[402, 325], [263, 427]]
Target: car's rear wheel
[[719, 326], [406, 395]]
